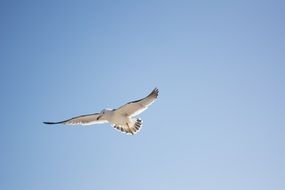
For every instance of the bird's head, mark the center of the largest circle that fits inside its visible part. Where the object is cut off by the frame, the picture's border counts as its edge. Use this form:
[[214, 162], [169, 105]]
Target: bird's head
[[104, 113]]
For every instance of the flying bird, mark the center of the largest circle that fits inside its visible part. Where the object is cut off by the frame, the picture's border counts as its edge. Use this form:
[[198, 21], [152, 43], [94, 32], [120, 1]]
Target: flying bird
[[122, 118]]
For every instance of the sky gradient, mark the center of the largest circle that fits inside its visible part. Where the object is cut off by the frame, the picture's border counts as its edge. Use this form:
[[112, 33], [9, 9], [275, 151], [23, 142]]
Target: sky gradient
[[218, 124]]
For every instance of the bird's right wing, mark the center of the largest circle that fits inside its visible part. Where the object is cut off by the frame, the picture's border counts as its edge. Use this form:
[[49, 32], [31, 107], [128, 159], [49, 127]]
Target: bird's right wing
[[89, 119], [136, 107]]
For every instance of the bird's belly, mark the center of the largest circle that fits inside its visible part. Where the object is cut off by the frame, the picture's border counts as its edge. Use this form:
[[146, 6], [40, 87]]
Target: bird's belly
[[119, 120]]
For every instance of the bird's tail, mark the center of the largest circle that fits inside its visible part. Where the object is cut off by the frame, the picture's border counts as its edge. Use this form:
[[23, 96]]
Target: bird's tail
[[137, 125], [131, 127]]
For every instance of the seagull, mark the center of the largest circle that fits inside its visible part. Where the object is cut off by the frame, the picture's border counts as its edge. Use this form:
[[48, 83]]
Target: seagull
[[122, 118]]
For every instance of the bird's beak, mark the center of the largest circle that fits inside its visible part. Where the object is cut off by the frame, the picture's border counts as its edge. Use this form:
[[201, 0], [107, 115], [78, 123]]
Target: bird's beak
[[99, 117]]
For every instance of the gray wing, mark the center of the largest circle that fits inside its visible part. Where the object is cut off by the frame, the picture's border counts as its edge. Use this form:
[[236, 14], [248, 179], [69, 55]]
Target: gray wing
[[136, 107], [89, 119]]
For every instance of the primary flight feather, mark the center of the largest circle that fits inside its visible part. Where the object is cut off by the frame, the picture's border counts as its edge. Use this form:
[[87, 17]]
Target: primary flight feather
[[122, 118]]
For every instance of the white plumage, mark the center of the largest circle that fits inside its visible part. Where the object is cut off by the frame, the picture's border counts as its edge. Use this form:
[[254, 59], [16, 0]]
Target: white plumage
[[122, 118]]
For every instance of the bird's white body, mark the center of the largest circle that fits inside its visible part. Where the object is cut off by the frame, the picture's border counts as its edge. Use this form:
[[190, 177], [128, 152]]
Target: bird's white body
[[121, 118], [114, 117]]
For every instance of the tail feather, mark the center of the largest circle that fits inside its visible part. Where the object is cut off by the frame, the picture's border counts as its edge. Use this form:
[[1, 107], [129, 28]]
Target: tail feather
[[131, 128]]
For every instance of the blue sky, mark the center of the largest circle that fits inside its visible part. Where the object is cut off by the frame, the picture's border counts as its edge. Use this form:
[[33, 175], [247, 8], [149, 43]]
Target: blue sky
[[218, 123]]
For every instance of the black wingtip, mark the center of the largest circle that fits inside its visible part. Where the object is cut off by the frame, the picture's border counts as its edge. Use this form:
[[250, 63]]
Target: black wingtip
[[50, 123], [155, 92], [156, 89]]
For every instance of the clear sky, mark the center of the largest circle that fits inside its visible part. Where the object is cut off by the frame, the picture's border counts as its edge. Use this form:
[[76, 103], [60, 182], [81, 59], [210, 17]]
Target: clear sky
[[218, 124]]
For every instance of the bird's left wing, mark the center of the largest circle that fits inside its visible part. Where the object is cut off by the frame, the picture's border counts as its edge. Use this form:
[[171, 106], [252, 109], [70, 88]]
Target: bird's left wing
[[136, 107], [89, 119]]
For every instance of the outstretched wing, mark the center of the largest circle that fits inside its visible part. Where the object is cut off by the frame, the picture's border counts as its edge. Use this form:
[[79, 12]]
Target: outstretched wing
[[89, 119], [136, 107]]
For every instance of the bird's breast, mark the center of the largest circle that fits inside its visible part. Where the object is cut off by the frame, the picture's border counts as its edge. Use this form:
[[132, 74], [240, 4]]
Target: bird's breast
[[119, 119]]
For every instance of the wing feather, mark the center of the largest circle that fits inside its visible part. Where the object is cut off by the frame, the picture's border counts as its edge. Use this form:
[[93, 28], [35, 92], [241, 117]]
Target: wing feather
[[88, 119], [136, 107]]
